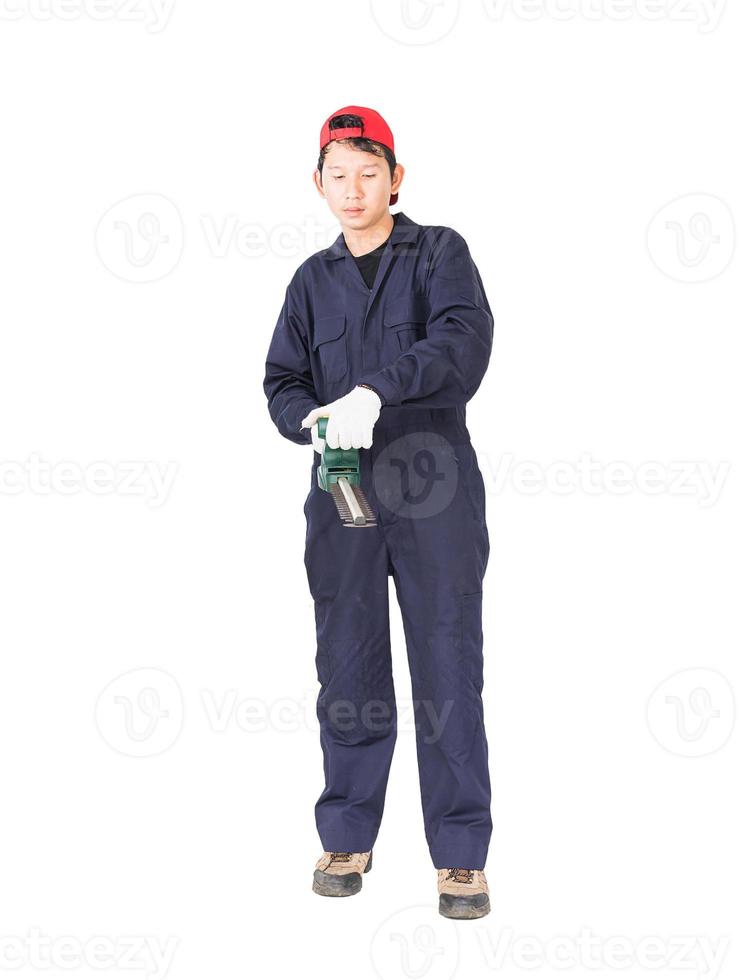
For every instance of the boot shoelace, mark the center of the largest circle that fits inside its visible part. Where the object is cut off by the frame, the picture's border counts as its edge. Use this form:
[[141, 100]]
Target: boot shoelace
[[461, 875], [339, 857]]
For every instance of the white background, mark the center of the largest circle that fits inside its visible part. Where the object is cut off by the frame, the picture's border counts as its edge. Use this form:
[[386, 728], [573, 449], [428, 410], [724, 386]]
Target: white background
[[552, 136]]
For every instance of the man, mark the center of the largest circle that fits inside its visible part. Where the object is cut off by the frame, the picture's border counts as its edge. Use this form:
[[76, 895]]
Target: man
[[388, 333]]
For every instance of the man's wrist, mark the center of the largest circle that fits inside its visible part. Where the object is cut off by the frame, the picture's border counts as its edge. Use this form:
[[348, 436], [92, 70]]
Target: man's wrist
[[363, 384], [385, 389]]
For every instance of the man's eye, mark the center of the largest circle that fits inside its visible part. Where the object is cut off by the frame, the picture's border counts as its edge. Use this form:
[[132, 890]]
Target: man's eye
[[338, 177], [369, 175]]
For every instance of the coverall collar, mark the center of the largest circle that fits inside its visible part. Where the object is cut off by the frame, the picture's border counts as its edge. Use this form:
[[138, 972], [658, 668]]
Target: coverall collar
[[404, 230]]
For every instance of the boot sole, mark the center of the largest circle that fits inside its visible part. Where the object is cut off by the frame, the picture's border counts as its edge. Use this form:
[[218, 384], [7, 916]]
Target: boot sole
[[459, 907], [339, 886]]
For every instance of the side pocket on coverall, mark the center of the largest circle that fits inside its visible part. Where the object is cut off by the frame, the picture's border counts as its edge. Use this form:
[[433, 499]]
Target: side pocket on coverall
[[322, 656], [471, 636], [471, 477]]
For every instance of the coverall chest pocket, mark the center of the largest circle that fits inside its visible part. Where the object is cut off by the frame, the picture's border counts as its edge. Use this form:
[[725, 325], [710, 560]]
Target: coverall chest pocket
[[407, 317], [331, 343]]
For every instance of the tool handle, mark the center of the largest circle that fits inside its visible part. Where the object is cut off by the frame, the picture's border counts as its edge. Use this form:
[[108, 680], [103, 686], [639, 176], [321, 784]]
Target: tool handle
[[336, 463]]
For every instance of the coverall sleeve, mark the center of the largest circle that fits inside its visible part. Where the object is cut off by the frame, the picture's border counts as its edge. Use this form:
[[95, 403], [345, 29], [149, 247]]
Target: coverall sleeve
[[447, 367], [288, 383]]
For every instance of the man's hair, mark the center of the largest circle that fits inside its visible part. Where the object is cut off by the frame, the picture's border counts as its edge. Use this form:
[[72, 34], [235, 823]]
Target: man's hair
[[357, 142]]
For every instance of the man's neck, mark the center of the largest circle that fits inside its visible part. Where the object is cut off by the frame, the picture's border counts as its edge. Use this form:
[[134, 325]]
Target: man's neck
[[363, 240]]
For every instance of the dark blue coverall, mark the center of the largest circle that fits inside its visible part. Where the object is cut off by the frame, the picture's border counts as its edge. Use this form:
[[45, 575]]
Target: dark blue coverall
[[422, 337]]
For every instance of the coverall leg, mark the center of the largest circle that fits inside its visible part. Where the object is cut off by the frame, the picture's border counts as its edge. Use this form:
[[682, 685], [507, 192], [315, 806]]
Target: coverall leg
[[423, 482], [348, 574]]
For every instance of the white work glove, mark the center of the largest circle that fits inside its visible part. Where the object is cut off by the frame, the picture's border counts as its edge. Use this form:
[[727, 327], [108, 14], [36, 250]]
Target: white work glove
[[351, 420]]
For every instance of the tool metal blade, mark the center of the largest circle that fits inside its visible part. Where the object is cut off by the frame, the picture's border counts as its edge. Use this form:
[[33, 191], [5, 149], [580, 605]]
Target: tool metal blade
[[352, 505]]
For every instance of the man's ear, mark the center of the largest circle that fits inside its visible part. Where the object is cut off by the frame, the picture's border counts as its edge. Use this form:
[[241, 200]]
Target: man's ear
[[317, 176], [397, 178]]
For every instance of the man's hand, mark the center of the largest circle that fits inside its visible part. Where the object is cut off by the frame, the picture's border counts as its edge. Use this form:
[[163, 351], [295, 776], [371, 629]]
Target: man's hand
[[351, 419]]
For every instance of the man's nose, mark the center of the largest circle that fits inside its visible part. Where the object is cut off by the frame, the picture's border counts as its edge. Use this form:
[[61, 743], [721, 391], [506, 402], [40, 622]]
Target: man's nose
[[353, 189]]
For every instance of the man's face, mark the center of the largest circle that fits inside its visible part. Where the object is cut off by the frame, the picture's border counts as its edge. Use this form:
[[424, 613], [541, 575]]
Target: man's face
[[357, 185]]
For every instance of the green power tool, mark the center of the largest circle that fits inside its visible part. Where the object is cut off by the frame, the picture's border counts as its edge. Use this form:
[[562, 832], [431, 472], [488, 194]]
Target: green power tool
[[339, 473]]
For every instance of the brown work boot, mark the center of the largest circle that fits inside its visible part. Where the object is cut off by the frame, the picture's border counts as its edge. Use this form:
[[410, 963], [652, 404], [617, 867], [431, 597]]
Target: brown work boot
[[338, 873], [463, 893]]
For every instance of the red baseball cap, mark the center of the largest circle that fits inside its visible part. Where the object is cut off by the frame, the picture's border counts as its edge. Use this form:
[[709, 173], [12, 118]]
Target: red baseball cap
[[374, 128]]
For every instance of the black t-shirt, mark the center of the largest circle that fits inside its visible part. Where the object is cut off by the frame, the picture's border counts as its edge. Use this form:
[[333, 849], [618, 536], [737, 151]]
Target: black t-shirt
[[369, 263]]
